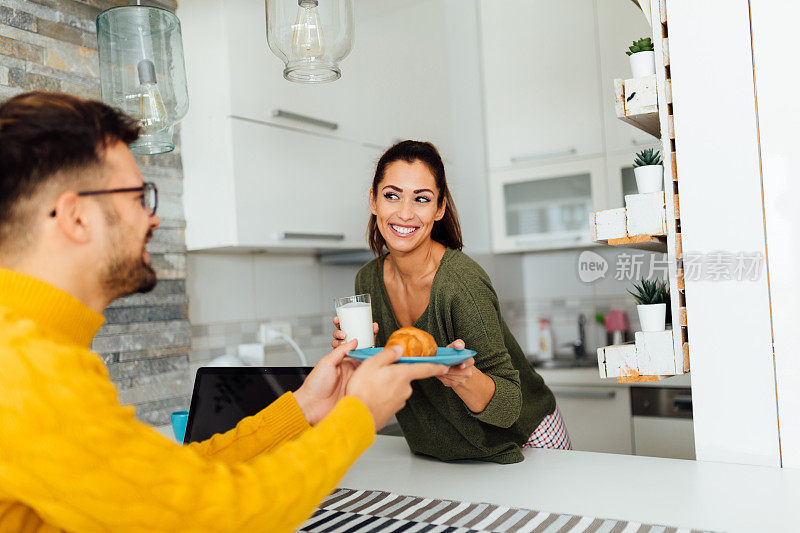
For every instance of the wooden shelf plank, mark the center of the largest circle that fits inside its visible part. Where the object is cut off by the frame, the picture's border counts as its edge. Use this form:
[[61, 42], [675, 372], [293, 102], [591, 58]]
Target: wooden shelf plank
[[638, 379], [650, 243]]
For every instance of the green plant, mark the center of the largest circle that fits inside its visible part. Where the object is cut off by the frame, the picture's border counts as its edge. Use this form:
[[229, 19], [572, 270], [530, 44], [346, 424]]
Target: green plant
[[600, 318], [650, 292], [644, 44], [647, 157]]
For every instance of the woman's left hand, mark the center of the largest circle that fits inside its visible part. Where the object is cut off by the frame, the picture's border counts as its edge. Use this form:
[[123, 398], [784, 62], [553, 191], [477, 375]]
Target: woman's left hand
[[460, 373]]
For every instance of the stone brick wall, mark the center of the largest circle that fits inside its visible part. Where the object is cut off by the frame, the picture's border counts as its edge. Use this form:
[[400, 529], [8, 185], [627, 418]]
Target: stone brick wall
[[51, 45]]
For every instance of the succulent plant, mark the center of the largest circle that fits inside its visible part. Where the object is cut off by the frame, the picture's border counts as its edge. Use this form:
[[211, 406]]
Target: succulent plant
[[644, 44], [650, 292], [647, 157]]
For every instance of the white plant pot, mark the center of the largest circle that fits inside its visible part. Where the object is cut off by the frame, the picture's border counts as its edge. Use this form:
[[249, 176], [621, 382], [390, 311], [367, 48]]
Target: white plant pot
[[652, 317], [643, 64], [649, 178]]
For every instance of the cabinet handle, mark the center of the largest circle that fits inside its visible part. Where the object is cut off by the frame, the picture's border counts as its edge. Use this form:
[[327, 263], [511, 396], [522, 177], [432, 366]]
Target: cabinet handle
[[542, 155], [280, 113], [551, 239], [586, 394], [311, 236]]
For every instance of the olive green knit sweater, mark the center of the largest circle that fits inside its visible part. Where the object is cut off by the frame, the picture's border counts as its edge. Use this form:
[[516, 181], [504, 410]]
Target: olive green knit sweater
[[435, 421]]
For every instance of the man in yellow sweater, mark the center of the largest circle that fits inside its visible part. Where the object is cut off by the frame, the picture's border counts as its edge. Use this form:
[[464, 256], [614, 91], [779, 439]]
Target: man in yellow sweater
[[75, 216]]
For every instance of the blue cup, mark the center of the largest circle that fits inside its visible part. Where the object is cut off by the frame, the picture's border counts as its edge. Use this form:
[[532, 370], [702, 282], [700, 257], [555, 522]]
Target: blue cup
[[179, 419]]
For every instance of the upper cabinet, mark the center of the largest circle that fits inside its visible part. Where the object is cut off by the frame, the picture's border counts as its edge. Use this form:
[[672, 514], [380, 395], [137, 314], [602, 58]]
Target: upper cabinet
[[274, 164], [555, 146], [391, 88], [541, 80], [399, 73]]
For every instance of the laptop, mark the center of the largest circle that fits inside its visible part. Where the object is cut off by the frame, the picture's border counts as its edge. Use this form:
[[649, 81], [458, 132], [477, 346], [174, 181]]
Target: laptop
[[223, 396]]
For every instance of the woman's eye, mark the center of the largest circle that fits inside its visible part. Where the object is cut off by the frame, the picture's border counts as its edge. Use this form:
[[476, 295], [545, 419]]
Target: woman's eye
[[390, 196], [423, 199]]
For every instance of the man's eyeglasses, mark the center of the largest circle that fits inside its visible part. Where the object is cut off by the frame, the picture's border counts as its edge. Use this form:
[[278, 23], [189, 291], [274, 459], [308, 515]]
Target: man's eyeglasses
[[149, 195]]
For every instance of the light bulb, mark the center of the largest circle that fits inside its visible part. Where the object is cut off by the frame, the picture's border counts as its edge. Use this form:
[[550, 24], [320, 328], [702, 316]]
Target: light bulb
[[149, 109], [307, 39]]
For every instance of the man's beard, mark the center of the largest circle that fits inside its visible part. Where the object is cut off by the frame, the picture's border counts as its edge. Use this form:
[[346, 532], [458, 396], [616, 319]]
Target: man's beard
[[125, 275]]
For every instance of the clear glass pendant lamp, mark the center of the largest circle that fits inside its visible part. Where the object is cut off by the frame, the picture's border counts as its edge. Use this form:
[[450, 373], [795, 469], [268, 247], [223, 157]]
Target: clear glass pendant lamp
[[311, 37], [142, 71]]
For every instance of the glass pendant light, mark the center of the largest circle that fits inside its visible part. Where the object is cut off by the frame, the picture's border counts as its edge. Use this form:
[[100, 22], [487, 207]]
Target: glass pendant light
[[311, 37], [142, 71]]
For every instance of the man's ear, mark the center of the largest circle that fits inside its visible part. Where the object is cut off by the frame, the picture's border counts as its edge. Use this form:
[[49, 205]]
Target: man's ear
[[441, 210], [72, 218], [372, 203]]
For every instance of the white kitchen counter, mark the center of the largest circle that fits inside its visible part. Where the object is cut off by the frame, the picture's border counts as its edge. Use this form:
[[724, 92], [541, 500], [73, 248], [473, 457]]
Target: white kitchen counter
[[713, 496]]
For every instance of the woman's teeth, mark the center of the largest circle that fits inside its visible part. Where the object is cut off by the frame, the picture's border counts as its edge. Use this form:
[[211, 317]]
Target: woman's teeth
[[402, 230]]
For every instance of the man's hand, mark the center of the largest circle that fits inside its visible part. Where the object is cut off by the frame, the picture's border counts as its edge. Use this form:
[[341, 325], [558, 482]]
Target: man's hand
[[384, 386], [339, 336], [326, 384]]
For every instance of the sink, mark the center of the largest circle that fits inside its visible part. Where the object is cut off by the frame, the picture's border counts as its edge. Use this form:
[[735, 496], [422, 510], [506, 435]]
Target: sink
[[564, 362]]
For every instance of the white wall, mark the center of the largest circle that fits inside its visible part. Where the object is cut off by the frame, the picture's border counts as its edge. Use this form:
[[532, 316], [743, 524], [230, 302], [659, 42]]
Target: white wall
[[733, 379], [773, 25]]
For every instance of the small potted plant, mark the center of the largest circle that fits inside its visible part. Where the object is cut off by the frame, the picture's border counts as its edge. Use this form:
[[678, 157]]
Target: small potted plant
[[648, 170], [642, 57], [651, 307]]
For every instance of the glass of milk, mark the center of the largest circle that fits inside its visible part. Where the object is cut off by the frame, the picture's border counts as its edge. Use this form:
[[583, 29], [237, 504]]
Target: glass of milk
[[355, 319]]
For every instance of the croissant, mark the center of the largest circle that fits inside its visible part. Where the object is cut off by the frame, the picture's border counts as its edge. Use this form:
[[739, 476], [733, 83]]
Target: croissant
[[415, 342]]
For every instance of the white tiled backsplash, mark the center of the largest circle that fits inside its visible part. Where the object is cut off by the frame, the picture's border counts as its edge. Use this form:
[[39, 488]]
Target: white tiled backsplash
[[231, 294]]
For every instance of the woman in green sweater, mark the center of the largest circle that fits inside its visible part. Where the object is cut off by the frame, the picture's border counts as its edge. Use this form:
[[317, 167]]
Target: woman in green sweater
[[487, 408]]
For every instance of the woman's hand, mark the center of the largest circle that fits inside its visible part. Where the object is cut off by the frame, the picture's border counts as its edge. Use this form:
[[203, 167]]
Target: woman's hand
[[460, 373], [475, 388], [339, 336]]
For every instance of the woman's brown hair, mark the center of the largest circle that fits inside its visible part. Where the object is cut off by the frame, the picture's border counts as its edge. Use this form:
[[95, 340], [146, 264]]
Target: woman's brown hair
[[446, 231]]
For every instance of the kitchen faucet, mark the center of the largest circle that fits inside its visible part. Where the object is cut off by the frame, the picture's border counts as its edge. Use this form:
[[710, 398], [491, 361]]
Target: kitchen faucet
[[579, 346]]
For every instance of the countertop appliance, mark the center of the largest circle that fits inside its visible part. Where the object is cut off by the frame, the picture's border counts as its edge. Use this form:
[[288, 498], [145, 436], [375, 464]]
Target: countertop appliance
[[662, 422]]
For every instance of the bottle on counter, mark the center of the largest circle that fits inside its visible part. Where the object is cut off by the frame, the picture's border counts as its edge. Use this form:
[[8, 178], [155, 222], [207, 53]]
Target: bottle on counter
[[545, 340]]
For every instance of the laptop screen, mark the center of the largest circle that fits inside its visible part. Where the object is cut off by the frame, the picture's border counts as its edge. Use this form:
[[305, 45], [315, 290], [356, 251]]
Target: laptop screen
[[223, 396]]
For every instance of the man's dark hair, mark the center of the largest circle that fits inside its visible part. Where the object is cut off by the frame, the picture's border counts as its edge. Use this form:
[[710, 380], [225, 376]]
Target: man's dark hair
[[47, 135]]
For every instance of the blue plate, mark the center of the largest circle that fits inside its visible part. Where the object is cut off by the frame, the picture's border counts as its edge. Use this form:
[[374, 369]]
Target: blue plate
[[444, 356]]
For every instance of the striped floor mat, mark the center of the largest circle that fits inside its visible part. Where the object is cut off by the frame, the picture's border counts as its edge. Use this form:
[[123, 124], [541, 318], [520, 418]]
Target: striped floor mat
[[362, 511]]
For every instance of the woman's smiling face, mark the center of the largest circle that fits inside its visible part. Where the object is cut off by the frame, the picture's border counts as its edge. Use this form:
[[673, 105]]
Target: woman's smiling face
[[405, 205]]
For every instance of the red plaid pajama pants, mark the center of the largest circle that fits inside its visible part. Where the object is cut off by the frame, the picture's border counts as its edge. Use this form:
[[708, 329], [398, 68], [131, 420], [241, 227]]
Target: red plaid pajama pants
[[550, 433]]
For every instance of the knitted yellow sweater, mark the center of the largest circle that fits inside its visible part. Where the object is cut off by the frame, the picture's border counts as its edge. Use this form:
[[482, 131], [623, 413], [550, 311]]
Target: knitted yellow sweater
[[73, 459]]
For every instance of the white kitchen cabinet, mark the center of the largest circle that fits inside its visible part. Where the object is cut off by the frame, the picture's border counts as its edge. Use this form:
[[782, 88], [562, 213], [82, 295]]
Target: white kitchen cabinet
[[618, 24], [598, 419], [255, 181], [276, 195], [541, 80], [257, 86], [284, 197], [547, 206], [399, 75], [391, 88]]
